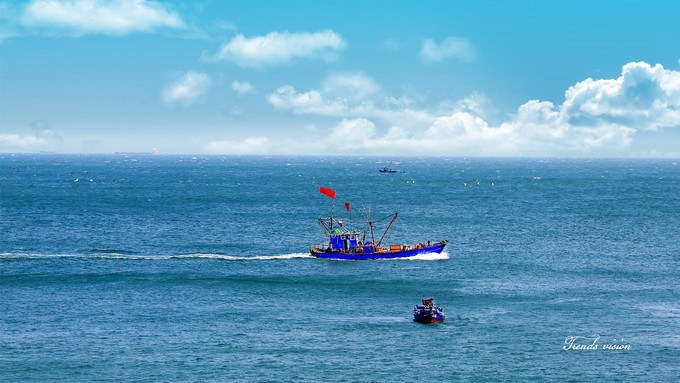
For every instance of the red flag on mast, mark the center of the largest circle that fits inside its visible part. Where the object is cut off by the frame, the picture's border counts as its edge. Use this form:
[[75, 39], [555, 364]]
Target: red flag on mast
[[327, 191], [347, 206]]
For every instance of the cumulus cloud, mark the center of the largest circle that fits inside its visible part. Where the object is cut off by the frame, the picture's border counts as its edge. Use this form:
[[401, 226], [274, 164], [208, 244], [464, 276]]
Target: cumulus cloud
[[251, 145], [187, 90], [355, 86], [352, 134], [450, 48], [597, 117], [643, 97], [278, 48], [477, 104], [14, 142], [100, 17], [243, 88], [348, 95], [42, 138], [312, 102]]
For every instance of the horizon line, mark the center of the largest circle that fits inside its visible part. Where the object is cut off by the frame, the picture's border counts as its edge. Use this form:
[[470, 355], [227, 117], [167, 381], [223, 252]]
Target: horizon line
[[150, 154]]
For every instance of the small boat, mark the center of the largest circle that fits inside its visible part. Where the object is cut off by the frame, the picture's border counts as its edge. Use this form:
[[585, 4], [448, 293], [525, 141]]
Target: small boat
[[428, 313], [387, 169], [351, 244]]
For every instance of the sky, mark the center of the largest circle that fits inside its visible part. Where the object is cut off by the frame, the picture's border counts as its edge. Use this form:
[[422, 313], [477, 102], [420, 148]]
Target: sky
[[450, 78]]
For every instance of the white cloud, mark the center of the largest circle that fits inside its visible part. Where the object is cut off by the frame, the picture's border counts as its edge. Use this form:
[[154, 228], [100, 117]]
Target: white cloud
[[243, 88], [187, 90], [354, 86], [643, 97], [352, 134], [277, 48], [450, 48], [16, 143], [252, 145], [476, 103], [312, 102], [105, 17], [597, 117], [43, 138], [349, 96]]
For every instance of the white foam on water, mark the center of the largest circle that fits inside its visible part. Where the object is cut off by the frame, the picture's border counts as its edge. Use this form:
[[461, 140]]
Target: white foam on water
[[30, 256], [235, 258], [426, 257], [93, 256], [152, 257], [419, 257]]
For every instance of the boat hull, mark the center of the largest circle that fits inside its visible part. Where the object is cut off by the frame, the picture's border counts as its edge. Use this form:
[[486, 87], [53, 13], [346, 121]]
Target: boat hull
[[425, 319], [436, 248]]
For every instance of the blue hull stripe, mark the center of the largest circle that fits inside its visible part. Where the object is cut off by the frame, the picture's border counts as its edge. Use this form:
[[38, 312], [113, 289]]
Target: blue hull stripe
[[385, 255]]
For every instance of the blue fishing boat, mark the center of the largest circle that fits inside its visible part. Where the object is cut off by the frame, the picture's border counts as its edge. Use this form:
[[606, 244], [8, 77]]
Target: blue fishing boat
[[343, 241], [428, 312], [387, 169]]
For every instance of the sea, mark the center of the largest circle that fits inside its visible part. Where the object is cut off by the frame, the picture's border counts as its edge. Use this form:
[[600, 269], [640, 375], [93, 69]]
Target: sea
[[168, 268]]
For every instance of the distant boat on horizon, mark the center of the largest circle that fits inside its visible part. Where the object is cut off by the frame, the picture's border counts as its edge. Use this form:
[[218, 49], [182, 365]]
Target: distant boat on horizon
[[387, 169]]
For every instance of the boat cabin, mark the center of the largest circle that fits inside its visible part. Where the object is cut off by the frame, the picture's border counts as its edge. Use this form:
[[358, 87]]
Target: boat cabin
[[349, 243], [344, 242]]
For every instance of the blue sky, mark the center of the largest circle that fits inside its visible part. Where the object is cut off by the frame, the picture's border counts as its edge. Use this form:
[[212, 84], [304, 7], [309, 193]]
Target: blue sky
[[527, 78]]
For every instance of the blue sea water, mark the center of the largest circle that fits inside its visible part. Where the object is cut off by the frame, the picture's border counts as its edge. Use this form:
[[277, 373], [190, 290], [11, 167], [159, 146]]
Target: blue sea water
[[196, 268]]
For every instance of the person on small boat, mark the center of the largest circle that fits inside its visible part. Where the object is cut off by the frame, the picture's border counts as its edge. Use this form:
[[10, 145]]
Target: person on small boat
[[428, 313]]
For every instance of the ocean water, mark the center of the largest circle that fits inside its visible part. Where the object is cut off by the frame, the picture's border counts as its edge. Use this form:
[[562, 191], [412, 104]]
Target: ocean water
[[196, 268]]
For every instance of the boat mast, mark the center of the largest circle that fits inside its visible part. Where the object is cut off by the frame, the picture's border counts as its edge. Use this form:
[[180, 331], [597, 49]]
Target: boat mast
[[388, 229], [332, 209], [350, 219], [370, 224]]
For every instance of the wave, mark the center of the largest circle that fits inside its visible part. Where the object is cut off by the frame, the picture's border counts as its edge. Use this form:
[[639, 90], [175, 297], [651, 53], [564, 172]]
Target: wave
[[111, 251], [132, 256], [129, 255], [236, 258], [662, 310], [426, 257]]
